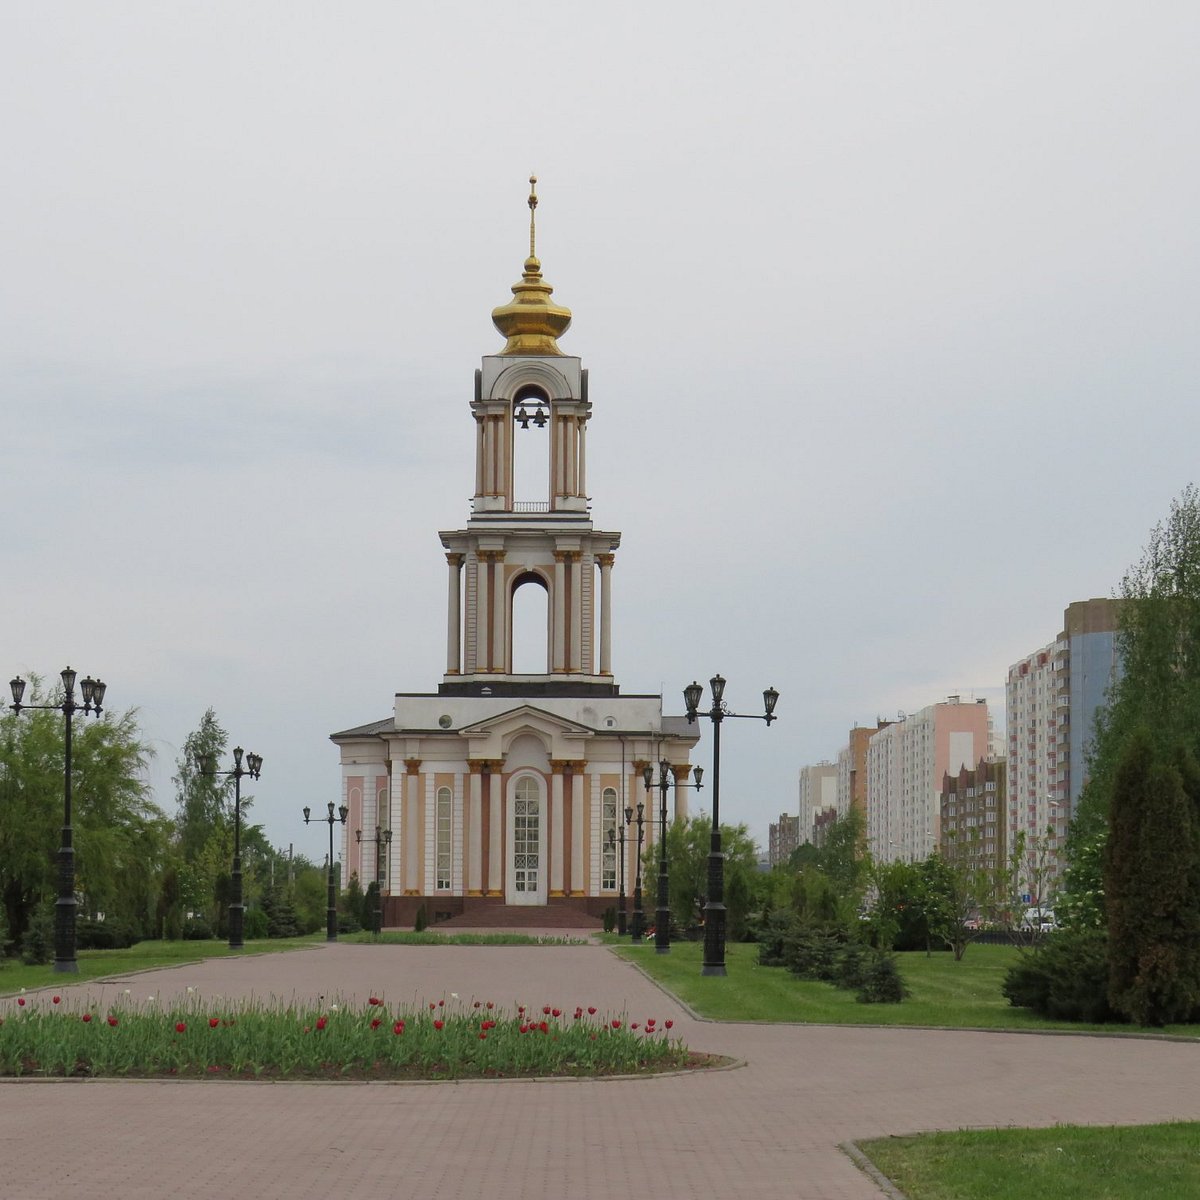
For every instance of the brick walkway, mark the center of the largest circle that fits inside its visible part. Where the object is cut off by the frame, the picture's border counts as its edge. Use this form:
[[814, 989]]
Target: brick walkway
[[769, 1129]]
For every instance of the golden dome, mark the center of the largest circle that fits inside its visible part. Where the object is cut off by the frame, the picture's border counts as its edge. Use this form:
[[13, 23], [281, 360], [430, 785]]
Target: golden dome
[[530, 322]]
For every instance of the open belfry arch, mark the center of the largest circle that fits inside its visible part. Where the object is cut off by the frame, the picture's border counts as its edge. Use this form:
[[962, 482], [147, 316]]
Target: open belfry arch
[[500, 789]]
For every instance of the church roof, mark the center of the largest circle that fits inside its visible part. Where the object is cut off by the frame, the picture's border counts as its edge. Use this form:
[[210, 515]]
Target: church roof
[[372, 729]]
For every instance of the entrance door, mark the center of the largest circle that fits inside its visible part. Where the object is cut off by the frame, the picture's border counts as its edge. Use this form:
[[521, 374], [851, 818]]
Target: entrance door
[[526, 882]]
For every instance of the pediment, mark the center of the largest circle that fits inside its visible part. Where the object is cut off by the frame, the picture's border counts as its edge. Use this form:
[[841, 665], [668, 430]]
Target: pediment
[[526, 719]]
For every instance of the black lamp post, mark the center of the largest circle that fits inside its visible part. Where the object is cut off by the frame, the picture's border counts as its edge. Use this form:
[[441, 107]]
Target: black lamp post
[[206, 764], [714, 909], [383, 837], [638, 924], [64, 908], [615, 837], [331, 904], [662, 915]]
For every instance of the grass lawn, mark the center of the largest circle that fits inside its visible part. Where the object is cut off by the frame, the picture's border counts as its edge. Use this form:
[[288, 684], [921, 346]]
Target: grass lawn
[[99, 964], [1145, 1162], [963, 994]]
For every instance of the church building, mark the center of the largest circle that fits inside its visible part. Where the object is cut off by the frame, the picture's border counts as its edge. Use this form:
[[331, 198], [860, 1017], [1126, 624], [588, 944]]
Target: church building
[[509, 786]]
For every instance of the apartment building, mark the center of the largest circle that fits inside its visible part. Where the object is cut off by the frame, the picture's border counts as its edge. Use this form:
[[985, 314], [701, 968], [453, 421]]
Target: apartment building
[[906, 762], [818, 792], [783, 836], [852, 768], [974, 816]]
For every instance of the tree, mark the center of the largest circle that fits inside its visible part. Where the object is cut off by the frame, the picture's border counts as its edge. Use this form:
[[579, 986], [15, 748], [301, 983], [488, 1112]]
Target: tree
[[688, 844], [1152, 884], [1158, 691], [120, 835]]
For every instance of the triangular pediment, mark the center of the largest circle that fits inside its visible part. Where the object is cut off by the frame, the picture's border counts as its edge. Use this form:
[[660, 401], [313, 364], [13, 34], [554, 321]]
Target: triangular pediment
[[526, 718]]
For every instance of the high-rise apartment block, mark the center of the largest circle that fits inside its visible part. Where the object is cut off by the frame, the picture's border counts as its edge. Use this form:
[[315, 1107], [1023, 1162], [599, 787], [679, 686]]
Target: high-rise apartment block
[[974, 816], [906, 762], [852, 768], [818, 792], [1052, 697], [783, 836]]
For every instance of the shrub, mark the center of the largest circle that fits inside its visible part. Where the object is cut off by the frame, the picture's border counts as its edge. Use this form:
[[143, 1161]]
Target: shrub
[[196, 929], [610, 918], [37, 944], [881, 983], [112, 934], [771, 936], [255, 924], [854, 965], [422, 920], [1065, 978], [813, 953]]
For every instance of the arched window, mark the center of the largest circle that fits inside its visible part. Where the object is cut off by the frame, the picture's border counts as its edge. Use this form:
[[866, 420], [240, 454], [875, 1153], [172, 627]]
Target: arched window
[[529, 626], [531, 450], [443, 842], [527, 819], [608, 850]]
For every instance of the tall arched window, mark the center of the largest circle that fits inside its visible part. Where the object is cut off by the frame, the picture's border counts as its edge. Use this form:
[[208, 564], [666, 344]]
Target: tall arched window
[[527, 835], [608, 850], [443, 842], [529, 620]]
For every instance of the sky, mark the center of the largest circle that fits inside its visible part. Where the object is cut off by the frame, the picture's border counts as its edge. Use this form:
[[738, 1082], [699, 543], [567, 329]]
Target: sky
[[889, 313]]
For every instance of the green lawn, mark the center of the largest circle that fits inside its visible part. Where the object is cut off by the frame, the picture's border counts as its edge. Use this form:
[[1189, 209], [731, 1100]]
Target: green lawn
[[963, 994], [1146, 1162], [98, 964]]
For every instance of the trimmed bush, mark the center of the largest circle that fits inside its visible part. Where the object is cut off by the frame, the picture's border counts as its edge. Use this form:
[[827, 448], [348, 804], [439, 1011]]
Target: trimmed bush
[[112, 934], [881, 982], [422, 921], [610, 918], [37, 944], [196, 929], [255, 924]]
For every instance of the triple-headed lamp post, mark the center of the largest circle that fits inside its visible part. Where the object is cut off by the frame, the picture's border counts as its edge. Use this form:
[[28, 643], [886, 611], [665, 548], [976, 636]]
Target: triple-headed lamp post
[[383, 837], [639, 921], [714, 909], [662, 915], [64, 908], [331, 902], [206, 764]]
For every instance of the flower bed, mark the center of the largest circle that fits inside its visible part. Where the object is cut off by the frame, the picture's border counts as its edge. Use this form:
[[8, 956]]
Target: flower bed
[[42, 1036]]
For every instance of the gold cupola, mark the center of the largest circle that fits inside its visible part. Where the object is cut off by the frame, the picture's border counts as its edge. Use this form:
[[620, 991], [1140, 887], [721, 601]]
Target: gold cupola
[[530, 322]]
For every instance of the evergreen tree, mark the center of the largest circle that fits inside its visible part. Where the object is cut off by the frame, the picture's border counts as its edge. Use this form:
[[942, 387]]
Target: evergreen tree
[[1159, 690], [1151, 877]]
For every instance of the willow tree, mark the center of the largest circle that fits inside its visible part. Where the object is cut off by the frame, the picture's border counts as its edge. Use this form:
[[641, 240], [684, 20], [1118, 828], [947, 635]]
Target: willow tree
[[120, 835]]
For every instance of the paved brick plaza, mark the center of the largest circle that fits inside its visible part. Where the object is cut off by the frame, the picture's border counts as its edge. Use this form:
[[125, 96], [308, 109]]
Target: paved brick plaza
[[770, 1129]]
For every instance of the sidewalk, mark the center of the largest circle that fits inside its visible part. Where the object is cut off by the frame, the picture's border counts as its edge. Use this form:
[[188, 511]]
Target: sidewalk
[[770, 1129]]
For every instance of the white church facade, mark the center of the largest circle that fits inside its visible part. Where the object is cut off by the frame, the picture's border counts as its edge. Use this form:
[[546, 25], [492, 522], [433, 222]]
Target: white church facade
[[506, 787]]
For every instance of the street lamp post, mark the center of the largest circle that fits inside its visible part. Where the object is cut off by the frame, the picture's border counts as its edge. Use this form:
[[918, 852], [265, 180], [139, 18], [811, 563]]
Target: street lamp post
[[638, 923], [383, 837], [662, 915], [64, 908], [206, 764], [617, 836], [331, 904], [714, 909]]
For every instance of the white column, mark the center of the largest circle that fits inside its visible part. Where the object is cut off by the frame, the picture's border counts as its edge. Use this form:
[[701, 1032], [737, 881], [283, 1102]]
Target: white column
[[499, 614], [583, 456], [606, 562], [495, 866], [479, 452], [557, 841], [576, 612], [558, 618], [475, 833], [454, 615], [481, 612], [578, 873]]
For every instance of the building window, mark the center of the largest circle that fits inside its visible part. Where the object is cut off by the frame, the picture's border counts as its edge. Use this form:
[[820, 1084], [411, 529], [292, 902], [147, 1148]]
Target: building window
[[444, 811], [608, 853]]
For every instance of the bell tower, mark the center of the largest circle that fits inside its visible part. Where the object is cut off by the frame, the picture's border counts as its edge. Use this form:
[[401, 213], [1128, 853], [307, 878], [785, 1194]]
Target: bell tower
[[530, 392]]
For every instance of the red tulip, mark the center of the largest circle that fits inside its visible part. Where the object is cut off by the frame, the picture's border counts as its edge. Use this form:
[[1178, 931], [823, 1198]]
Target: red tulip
[[545, 1010], [634, 1025], [375, 1024], [482, 1037], [374, 1000], [476, 1004], [439, 1024], [86, 1018], [490, 1004], [544, 1027], [21, 1001], [616, 1024], [524, 1029], [668, 1024], [57, 999], [213, 1022], [322, 1022], [112, 1021], [558, 1012], [180, 1027], [398, 1028], [591, 1011]]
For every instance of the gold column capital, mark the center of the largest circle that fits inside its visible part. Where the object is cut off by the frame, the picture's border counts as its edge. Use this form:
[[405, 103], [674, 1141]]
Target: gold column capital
[[454, 558], [680, 771], [606, 560], [476, 765], [412, 766]]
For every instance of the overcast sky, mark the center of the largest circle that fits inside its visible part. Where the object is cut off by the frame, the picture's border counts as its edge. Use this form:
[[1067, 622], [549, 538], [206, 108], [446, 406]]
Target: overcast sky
[[889, 311]]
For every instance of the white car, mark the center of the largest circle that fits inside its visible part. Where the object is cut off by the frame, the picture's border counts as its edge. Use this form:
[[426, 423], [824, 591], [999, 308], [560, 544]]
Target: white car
[[1038, 920]]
